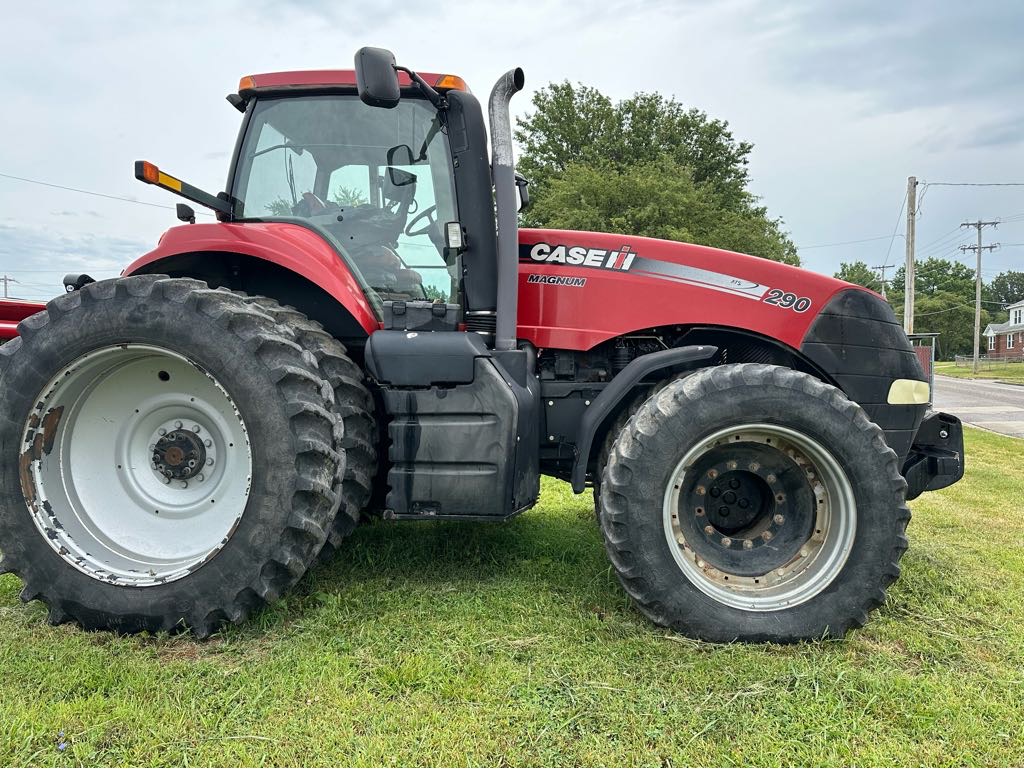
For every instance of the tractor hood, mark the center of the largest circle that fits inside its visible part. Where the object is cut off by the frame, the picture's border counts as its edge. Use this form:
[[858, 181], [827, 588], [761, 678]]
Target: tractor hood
[[578, 289]]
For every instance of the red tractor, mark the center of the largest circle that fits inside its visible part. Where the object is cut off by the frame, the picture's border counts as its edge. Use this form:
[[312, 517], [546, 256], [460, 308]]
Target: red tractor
[[365, 329]]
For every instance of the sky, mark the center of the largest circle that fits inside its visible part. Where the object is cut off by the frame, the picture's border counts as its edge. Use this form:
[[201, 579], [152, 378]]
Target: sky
[[842, 101]]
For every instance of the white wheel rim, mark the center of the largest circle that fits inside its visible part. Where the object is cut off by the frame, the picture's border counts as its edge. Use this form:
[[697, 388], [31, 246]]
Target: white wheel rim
[[89, 476], [812, 569]]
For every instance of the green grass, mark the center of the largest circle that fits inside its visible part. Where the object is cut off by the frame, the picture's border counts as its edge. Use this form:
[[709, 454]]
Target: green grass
[[1009, 372], [513, 644]]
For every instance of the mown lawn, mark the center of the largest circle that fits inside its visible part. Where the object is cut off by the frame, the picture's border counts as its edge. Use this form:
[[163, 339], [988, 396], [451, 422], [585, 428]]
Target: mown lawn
[[1009, 372], [512, 644]]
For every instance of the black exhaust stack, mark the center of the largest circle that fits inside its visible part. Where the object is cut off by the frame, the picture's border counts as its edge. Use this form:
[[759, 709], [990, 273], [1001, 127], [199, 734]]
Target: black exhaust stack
[[503, 175]]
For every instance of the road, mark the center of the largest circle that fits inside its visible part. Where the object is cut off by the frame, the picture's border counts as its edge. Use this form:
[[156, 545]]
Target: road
[[992, 405]]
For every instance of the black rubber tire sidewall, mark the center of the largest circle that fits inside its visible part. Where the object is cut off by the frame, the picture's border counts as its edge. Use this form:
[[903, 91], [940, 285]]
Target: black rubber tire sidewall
[[688, 410]]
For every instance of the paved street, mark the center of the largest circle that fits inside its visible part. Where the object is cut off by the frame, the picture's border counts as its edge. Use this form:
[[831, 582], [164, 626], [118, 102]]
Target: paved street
[[992, 405]]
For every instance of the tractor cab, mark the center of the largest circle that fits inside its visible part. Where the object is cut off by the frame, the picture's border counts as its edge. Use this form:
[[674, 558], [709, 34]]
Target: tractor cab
[[378, 182]]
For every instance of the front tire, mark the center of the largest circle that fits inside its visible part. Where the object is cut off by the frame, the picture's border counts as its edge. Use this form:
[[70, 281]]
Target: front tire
[[756, 503], [170, 458]]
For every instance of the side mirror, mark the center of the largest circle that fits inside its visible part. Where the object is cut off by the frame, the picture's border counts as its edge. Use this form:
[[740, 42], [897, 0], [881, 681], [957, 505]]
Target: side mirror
[[400, 155], [377, 78], [523, 187]]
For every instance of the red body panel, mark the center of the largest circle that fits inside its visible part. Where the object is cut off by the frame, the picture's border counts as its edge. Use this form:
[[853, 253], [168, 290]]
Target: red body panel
[[612, 291], [663, 284], [289, 245], [12, 312]]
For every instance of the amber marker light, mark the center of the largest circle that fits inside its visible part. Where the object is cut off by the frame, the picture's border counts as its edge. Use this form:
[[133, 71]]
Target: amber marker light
[[452, 83]]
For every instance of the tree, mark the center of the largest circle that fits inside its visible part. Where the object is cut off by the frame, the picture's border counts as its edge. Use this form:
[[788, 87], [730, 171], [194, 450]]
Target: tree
[[1007, 287], [859, 273], [934, 276], [578, 141], [948, 315], [656, 199]]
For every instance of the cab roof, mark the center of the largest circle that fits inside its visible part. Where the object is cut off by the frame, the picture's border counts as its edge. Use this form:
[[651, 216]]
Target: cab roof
[[334, 78]]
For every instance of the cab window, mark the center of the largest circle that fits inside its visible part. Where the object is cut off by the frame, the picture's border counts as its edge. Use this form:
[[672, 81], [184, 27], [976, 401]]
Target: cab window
[[379, 181]]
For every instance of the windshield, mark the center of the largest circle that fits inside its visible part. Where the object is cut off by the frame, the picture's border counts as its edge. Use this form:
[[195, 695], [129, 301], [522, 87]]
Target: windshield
[[378, 180]]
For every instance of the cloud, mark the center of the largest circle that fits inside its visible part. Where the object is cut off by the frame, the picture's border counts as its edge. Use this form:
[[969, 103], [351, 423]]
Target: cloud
[[910, 55], [101, 256]]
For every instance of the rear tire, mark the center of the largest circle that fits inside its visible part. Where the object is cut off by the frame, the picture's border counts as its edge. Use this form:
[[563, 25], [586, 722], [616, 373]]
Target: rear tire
[[354, 406], [755, 503], [86, 382]]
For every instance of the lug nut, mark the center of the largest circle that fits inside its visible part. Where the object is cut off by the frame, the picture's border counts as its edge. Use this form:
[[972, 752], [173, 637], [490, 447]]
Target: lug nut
[[726, 542], [779, 519], [709, 530], [177, 425], [732, 465], [766, 535], [162, 431], [165, 479], [754, 467], [748, 544], [770, 478], [712, 473], [701, 491], [208, 443], [195, 428], [209, 462]]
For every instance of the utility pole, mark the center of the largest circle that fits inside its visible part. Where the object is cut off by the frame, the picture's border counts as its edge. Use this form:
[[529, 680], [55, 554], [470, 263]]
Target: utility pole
[[908, 291], [882, 268], [6, 280], [977, 249]]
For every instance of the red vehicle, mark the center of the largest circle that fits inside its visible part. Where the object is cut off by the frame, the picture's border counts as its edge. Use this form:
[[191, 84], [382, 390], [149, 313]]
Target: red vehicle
[[365, 330]]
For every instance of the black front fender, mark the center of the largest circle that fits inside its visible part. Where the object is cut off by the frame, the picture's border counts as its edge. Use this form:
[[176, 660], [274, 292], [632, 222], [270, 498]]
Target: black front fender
[[604, 405]]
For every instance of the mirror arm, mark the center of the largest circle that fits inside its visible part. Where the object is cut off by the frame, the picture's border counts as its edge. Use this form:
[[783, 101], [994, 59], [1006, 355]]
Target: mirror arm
[[435, 98]]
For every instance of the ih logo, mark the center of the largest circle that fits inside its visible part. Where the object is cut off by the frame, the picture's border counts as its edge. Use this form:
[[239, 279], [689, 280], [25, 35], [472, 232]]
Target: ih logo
[[580, 256]]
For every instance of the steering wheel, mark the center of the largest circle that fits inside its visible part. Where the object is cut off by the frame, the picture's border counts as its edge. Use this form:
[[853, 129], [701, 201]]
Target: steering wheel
[[430, 214]]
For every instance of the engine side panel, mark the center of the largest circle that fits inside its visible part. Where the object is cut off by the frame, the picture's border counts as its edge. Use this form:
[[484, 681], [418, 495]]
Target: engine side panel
[[577, 289]]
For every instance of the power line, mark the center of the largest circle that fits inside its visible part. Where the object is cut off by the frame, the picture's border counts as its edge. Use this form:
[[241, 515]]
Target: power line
[[91, 192], [947, 309], [842, 243], [973, 184]]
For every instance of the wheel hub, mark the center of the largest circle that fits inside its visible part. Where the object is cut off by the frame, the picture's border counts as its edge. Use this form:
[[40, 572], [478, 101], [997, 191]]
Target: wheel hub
[[759, 516], [746, 508], [180, 455]]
